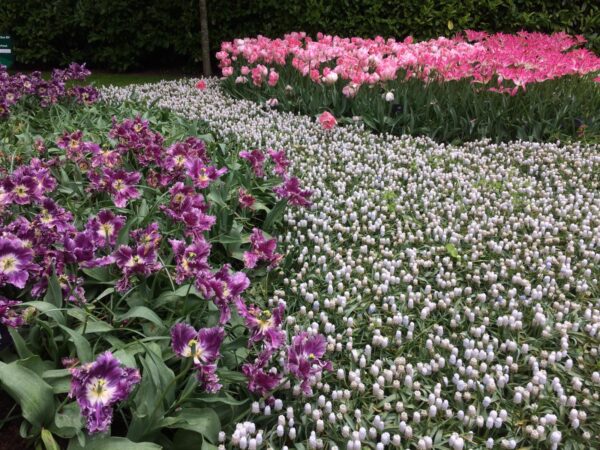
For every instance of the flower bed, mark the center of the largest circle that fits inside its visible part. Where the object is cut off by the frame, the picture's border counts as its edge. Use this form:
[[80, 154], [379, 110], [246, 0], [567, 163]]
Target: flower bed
[[445, 88], [456, 286], [136, 273]]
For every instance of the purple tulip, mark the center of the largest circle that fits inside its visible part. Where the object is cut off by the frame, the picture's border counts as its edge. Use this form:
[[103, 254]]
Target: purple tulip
[[201, 174], [245, 198], [97, 386], [15, 261], [281, 162], [304, 359], [262, 250], [290, 190], [223, 288], [191, 260], [264, 325], [121, 185], [260, 380], [184, 199], [135, 135], [180, 153], [142, 260], [105, 227], [203, 347], [256, 158], [8, 315]]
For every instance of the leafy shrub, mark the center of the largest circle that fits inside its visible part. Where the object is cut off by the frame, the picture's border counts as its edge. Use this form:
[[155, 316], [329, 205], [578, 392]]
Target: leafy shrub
[[120, 35]]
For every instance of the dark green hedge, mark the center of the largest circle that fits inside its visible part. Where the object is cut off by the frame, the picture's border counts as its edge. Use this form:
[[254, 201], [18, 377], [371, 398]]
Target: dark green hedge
[[123, 34]]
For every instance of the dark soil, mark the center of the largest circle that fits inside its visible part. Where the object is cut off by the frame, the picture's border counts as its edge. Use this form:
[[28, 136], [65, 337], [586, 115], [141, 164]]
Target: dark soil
[[9, 433]]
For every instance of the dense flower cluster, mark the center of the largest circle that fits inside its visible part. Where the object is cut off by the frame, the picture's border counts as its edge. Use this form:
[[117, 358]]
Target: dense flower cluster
[[509, 61], [44, 238], [14, 87], [457, 286], [130, 214]]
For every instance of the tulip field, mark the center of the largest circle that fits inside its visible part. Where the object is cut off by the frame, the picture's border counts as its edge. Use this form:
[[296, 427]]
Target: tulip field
[[339, 244]]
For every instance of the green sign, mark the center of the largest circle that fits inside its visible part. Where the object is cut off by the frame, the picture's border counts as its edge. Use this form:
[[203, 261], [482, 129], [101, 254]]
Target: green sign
[[7, 57]]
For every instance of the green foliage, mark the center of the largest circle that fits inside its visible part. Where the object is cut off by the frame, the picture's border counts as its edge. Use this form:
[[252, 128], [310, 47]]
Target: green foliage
[[453, 111], [168, 406], [120, 35]]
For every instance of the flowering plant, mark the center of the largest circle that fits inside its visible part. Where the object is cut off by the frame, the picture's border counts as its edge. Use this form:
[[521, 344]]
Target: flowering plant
[[129, 247], [14, 88], [474, 85]]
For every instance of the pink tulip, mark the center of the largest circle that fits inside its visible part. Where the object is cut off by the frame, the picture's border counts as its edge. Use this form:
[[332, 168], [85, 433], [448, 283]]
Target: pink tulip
[[327, 120]]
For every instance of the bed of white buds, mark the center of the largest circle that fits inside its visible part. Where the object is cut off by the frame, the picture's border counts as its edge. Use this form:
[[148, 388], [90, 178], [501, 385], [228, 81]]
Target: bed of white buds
[[457, 286]]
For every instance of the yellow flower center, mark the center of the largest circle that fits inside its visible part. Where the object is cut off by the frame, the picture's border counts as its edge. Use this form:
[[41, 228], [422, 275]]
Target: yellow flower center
[[106, 229], [194, 350], [226, 291], [21, 190], [119, 185], [202, 175], [99, 391], [8, 263], [46, 217]]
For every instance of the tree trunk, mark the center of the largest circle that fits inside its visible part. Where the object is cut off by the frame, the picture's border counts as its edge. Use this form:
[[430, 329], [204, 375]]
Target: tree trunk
[[204, 39]]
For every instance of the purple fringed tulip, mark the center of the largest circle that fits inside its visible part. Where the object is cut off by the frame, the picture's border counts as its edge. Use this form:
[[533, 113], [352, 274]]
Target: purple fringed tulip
[[260, 380], [256, 158], [121, 185], [264, 325], [245, 198], [8, 316], [118, 183], [201, 174], [304, 359], [223, 288], [105, 227], [290, 190], [191, 260], [98, 386], [141, 261], [204, 347], [15, 261], [281, 162], [262, 250]]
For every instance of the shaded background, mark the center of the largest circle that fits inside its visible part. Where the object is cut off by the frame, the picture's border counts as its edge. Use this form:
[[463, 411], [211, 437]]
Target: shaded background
[[121, 35]]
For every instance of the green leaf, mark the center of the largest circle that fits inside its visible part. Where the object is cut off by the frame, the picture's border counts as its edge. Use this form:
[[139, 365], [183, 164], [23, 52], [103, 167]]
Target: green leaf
[[48, 440], [451, 249], [34, 396], [98, 274], [143, 210], [84, 350], [123, 237], [113, 443], [54, 293], [204, 421], [275, 214], [95, 326], [68, 422], [48, 309], [60, 380], [142, 312], [20, 344]]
